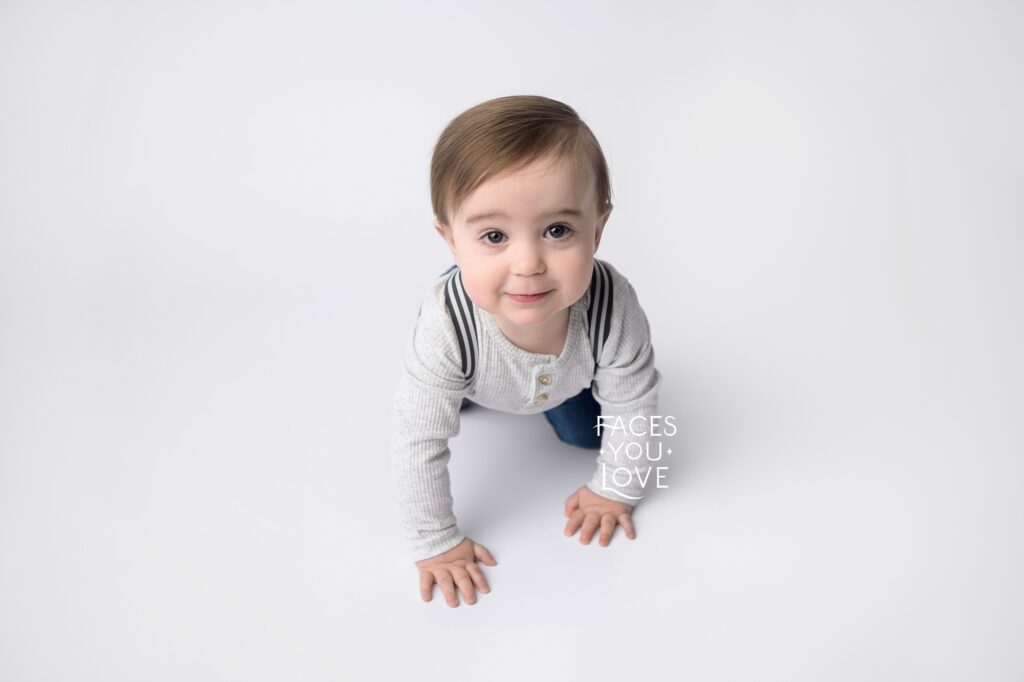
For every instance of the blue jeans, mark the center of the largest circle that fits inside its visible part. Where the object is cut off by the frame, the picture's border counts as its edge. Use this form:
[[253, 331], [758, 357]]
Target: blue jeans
[[574, 421]]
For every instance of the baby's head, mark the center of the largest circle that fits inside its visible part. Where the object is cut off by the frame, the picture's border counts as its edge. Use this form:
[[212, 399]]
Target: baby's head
[[521, 194]]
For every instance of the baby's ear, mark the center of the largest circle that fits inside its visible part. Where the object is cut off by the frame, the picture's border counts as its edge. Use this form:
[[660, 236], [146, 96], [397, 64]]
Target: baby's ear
[[600, 227], [446, 234]]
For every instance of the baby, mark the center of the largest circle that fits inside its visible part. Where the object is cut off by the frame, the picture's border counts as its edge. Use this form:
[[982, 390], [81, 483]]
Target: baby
[[528, 321]]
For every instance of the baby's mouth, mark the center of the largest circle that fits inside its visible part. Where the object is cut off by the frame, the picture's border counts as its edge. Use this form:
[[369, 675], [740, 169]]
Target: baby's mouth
[[529, 298]]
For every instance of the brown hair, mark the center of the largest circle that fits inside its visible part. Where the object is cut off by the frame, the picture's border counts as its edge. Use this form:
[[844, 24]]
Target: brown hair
[[506, 134]]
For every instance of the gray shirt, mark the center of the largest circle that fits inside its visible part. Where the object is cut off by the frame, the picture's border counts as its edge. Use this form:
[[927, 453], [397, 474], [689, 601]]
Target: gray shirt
[[505, 377]]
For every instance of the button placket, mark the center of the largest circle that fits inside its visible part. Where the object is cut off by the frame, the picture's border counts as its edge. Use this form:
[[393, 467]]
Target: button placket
[[544, 380]]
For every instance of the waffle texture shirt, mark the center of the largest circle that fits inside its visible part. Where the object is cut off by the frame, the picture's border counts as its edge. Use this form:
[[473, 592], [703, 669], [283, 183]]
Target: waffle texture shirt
[[433, 383]]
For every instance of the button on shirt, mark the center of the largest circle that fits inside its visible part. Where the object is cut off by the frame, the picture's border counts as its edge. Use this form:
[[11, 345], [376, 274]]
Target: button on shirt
[[509, 379]]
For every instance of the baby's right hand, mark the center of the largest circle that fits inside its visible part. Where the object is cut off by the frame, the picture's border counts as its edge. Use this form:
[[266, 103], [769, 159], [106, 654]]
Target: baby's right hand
[[457, 566]]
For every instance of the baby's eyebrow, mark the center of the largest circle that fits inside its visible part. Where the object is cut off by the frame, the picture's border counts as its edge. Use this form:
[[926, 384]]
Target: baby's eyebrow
[[501, 214]]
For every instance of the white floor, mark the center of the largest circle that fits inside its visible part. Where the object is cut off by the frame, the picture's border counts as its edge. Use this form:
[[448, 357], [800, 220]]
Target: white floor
[[198, 353]]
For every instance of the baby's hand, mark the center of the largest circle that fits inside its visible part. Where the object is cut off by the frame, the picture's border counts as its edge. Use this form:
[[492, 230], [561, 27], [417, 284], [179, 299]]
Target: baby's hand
[[457, 566], [591, 510]]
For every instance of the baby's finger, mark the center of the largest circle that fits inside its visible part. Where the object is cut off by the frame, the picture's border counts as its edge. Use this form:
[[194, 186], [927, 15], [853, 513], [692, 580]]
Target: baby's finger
[[447, 585], [572, 504], [478, 578], [483, 554], [465, 584], [589, 526], [573, 523], [627, 525], [607, 529], [426, 585]]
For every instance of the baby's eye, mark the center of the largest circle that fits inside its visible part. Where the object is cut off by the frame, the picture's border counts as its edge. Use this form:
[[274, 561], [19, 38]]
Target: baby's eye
[[560, 231], [490, 234]]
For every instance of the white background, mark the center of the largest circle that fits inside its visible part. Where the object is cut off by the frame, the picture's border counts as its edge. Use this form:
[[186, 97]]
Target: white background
[[215, 231]]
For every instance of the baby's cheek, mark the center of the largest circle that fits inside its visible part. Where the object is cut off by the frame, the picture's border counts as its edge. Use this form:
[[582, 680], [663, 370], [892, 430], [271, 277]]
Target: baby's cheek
[[581, 282], [481, 294]]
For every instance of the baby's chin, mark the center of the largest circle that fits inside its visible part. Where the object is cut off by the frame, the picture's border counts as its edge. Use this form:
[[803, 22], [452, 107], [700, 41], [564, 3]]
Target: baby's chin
[[527, 317]]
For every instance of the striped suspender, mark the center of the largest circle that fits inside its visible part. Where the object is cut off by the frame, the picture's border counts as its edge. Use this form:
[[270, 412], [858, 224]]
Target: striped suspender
[[599, 312], [461, 310], [597, 321]]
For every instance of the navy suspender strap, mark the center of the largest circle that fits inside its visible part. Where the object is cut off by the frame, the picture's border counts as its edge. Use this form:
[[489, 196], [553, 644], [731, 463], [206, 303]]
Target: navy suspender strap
[[597, 321], [599, 312], [460, 307]]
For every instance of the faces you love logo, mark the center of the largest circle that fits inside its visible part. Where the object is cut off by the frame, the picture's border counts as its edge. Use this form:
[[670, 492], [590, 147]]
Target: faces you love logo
[[632, 445], [640, 425]]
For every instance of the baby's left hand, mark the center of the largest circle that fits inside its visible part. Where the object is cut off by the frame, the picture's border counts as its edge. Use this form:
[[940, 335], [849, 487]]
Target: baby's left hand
[[587, 508]]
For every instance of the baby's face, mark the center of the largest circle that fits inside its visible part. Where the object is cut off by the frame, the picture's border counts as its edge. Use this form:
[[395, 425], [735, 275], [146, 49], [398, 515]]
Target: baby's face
[[528, 232]]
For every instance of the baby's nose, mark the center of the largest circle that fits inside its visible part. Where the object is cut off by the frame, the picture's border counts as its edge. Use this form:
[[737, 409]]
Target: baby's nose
[[528, 261]]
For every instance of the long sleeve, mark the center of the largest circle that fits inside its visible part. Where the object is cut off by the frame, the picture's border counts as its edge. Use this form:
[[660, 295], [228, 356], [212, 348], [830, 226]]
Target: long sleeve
[[425, 417], [626, 386]]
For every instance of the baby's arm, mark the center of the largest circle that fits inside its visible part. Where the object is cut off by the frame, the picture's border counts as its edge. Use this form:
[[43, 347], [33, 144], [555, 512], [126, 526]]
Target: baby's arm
[[626, 387], [424, 420], [426, 416]]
